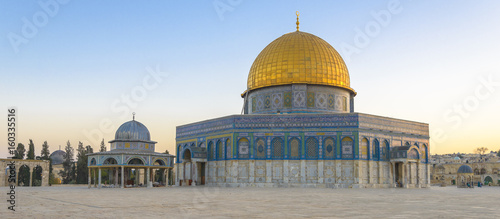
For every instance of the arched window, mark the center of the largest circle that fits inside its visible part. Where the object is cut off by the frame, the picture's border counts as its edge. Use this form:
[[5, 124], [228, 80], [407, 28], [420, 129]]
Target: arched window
[[423, 152], [476, 171], [329, 148], [201, 145], [347, 144], [413, 154], [363, 148], [260, 149], [211, 154], [243, 148], [220, 154], [135, 161], [385, 150], [483, 171], [294, 148], [375, 150], [277, 148], [110, 161], [312, 148], [229, 152]]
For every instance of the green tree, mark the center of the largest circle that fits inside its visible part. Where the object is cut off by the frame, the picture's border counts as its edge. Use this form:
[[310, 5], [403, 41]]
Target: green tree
[[20, 150], [103, 146], [66, 173], [498, 153], [481, 151], [81, 167], [89, 149], [45, 154], [31, 151]]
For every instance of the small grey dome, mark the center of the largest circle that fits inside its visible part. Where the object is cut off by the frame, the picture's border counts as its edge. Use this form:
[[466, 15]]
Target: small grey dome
[[465, 169], [57, 157], [132, 131]]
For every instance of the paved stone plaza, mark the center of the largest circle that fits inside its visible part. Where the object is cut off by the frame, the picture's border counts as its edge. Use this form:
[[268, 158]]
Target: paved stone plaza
[[214, 202]]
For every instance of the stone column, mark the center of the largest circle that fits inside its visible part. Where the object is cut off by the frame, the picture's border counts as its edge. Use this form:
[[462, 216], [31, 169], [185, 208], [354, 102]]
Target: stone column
[[99, 177], [418, 174], [123, 177], [116, 176], [286, 171], [428, 174], [234, 171], [338, 172], [269, 171], [89, 177], [148, 182], [194, 171], [166, 177], [251, 171], [394, 174], [302, 171], [405, 174], [380, 172], [136, 176], [370, 178], [320, 171], [31, 177]]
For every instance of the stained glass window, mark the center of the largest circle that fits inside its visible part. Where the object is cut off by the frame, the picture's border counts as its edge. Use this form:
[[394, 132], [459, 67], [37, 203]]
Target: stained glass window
[[364, 148], [329, 148], [375, 149], [260, 148], [243, 147], [312, 148], [294, 148], [220, 154], [211, 151], [228, 149], [347, 144], [277, 145]]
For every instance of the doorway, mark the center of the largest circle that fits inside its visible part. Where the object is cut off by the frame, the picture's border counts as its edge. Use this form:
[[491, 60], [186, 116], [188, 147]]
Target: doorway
[[201, 170], [399, 174]]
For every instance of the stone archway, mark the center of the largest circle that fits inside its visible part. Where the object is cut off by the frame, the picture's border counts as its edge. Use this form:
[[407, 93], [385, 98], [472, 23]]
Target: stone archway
[[488, 180], [36, 176], [24, 175]]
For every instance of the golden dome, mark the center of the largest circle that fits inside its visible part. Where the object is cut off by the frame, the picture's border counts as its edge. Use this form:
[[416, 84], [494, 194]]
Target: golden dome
[[298, 58]]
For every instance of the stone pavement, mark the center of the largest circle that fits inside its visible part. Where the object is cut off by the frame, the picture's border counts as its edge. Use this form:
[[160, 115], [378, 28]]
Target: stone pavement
[[198, 202]]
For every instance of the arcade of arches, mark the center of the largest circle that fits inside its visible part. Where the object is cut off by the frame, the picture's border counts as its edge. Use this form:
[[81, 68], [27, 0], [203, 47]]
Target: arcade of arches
[[28, 172]]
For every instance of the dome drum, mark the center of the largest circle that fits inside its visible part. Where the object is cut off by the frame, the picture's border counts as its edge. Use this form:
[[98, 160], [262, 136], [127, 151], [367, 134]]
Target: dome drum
[[299, 98], [133, 135]]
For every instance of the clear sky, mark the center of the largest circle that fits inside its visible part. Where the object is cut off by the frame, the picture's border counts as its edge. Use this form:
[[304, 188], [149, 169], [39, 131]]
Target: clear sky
[[76, 70]]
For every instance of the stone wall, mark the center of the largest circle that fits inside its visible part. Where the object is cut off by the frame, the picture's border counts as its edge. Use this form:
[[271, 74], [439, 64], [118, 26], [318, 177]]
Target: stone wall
[[309, 173], [44, 164]]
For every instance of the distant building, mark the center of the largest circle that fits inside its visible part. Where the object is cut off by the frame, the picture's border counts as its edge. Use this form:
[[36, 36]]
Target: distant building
[[487, 173], [132, 160]]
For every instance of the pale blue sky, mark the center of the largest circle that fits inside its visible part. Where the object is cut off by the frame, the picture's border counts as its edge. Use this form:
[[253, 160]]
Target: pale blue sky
[[72, 73]]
